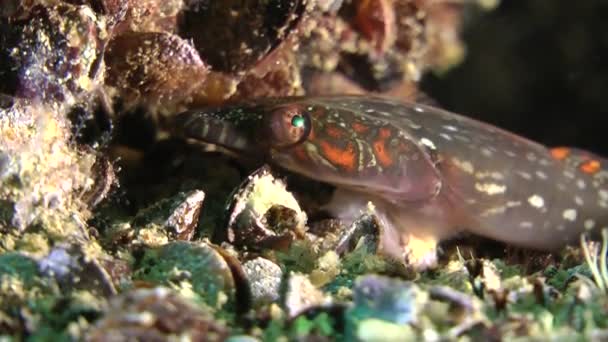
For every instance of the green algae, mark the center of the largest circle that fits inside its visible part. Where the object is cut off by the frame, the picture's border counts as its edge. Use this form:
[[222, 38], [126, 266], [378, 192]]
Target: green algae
[[196, 264]]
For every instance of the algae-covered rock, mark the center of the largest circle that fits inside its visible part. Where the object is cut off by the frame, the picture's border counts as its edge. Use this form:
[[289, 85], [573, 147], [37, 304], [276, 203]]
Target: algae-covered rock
[[42, 173]]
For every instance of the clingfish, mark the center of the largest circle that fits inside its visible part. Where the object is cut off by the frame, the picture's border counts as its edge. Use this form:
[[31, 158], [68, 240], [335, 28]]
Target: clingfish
[[429, 173]]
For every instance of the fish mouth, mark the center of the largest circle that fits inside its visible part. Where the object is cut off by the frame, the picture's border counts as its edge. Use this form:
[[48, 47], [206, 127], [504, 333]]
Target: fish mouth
[[219, 126]]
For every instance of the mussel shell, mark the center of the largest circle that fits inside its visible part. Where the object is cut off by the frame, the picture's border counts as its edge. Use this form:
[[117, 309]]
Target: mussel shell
[[232, 35]]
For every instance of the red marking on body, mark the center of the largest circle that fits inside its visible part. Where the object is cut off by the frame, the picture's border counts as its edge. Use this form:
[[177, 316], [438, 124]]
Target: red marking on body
[[380, 150], [359, 127], [590, 166], [384, 133], [560, 153], [335, 132], [343, 158]]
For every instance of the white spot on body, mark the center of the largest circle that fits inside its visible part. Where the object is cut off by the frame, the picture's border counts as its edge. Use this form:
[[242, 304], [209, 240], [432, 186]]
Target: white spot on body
[[494, 211], [569, 174], [510, 154], [450, 128], [494, 175], [513, 204], [428, 143], [462, 138], [536, 201], [486, 152], [524, 175], [603, 194], [589, 224], [581, 184], [445, 136], [464, 165], [541, 175], [497, 175], [526, 224], [569, 214], [419, 109], [491, 188]]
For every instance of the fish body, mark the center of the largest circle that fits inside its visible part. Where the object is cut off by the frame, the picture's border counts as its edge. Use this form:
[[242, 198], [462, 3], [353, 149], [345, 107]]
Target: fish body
[[430, 173]]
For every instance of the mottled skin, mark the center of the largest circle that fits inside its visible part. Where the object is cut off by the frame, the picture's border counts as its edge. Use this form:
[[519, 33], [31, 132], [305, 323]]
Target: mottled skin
[[429, 173]]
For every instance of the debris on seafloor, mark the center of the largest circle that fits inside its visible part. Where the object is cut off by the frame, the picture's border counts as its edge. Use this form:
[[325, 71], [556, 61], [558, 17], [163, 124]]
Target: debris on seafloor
[[111, 230], [264, 278]]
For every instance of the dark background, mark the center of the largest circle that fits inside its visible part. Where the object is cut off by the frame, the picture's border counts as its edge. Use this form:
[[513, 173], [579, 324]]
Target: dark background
[[535, 67]]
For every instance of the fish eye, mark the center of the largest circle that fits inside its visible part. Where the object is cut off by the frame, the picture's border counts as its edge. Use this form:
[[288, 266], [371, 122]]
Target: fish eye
[[298, 121], [288, 126]]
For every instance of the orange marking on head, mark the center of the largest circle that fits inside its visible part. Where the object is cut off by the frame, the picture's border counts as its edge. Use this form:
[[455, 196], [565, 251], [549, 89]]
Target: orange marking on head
[[343, 158], [560, 153], [335, 131], [381, 153], [380, 150], [359, 127], [590, 166]]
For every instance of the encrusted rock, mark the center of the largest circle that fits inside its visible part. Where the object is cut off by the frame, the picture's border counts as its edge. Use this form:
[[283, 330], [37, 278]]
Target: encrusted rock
[[156, 314]]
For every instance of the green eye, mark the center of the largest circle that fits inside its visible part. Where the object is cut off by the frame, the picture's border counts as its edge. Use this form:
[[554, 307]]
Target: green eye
[[298, 121]]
